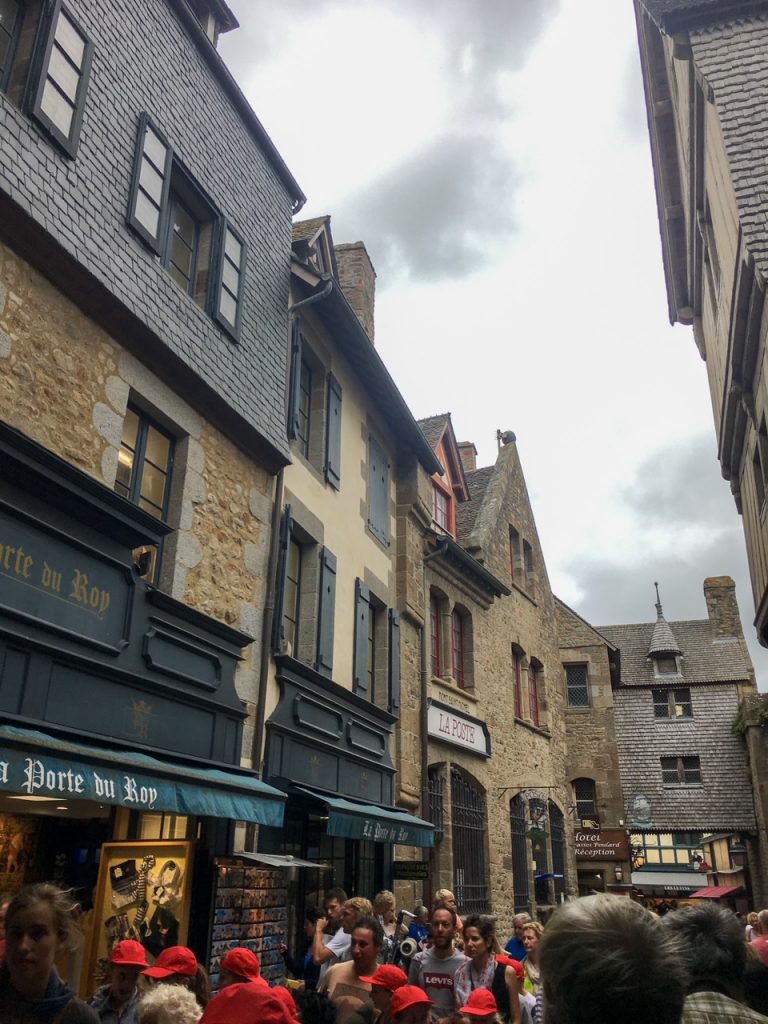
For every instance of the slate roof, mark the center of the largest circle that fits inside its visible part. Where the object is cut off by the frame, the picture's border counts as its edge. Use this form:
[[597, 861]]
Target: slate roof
[[705, 658], [432, 427], [674, 15], [467, 511]]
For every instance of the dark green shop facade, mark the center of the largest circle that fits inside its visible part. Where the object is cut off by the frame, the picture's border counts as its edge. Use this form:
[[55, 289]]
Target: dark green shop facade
[[329, 751], [120, 725]]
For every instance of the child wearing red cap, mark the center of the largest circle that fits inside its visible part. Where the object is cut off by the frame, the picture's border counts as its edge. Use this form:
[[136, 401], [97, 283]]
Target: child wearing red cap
[[386, 980], [247, 1003], [116, 1002], [178, 965], [481, 1006], [410, 1005]]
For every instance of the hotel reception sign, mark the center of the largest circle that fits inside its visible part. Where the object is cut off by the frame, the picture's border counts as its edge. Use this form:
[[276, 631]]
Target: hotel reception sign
[[446, 724], [602, 844]]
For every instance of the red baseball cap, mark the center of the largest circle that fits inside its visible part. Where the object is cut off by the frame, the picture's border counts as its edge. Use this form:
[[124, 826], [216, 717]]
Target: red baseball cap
[[481, 1002], [508, 961], [405, 996], [243, 962], [247, 1003], [388, 976], [174, 960], [129, 953]]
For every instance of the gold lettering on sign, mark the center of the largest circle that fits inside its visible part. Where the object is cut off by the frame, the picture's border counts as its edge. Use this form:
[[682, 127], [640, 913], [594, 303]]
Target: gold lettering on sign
[[142, 712], [15, 561], [93, 597]]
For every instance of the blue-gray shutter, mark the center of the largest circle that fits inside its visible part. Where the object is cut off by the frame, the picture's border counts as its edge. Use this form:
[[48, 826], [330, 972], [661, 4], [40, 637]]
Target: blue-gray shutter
[[362, 610], [148, 201], [378, 491], [231, 260], [326, 613], [394, 661], [286, 528], [333, 434], [294, 382]]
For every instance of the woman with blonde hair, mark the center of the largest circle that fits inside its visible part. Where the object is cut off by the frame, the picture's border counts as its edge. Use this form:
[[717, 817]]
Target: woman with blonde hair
[[532, 932], [40, 922], [169, 1004]]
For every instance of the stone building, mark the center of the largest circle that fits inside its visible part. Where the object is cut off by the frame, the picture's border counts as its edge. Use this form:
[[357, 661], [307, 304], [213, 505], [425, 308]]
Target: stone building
[[145, 227], [683, 779], [332, 700], [705, 72], [482, 681]]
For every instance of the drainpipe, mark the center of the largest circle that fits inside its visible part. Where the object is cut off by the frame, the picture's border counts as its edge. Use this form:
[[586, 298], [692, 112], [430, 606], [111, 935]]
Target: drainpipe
[[424, 725], [257, 747]]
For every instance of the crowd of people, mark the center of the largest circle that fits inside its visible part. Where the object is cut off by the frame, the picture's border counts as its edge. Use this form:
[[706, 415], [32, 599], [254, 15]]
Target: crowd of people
[[600, 958]]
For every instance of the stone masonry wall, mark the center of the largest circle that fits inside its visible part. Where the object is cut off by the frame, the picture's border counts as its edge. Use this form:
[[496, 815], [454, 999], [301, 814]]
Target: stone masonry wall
[[66, 384]]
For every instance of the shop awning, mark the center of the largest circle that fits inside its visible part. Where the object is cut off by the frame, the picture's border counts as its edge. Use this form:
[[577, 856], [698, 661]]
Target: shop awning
[[36, 764], [678, 880], [377, 822], [714, 892]]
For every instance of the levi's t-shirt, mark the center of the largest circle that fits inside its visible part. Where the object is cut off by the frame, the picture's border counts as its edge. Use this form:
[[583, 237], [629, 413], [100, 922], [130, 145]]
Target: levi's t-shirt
[[435, 975]]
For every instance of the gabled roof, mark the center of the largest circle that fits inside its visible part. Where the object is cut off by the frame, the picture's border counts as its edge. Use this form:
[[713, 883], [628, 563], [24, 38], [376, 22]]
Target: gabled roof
[[467, 511], [705, 657], [437, 429], [676, 15], [600, 637]]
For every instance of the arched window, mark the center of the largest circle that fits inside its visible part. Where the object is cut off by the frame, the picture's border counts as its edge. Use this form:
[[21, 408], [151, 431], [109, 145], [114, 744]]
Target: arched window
[[469, 829], [557, 840], [585, 799], [518, 825], [518, 670], [534, 680]]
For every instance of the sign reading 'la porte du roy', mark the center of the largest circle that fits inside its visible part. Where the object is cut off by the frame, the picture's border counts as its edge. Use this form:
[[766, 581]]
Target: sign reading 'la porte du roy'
[[443, 723]]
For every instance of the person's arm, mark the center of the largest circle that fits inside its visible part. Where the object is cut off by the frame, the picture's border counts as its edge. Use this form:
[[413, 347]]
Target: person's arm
[[513, 990], [320, 952], [413, 973]]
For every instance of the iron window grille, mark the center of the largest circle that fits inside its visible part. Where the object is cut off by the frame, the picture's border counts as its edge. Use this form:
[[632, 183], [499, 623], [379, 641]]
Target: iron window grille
[[469, 831], [681, 771], [672, 703], [521, 891], [436, 795]]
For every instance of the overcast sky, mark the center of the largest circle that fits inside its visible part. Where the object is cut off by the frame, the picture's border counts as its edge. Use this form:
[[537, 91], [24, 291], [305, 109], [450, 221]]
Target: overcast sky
[[493, 155]]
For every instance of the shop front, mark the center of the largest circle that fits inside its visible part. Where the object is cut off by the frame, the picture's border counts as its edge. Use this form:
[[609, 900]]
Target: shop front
[[120, 725], [329, 751]]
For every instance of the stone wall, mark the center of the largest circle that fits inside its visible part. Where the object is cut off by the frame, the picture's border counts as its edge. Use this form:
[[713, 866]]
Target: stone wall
[[66, 383]]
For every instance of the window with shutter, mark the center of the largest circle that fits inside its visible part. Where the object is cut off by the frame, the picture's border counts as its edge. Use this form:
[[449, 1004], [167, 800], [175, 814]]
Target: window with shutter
[[378, 491], [394, 662], [327, 612], [333, 434], [59, 99], [363, 653]]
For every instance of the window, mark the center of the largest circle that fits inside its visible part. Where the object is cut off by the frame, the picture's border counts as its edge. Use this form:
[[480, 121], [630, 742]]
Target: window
[[577, 685], [665, 665], [442, 508], [436, 794], [314, 408], [457, 648], [435, 635], [517, 680], [518, 823], [303, 410], [469, 829], [533, 693], [199, 248], [681, 771], [760, 465], [57, 95], [376, 668], [585, 800], [530, 578], [672, 703], [144, 465], [378, 491], [60, 96], [515, 556], [291, 606]]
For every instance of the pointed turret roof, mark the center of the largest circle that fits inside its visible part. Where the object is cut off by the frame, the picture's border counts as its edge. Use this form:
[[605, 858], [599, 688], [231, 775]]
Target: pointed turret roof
[[663, 639]]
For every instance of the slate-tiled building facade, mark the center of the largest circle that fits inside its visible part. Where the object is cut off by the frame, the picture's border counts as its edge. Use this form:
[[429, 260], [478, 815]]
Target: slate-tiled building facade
[[705, 72], [145, 225]]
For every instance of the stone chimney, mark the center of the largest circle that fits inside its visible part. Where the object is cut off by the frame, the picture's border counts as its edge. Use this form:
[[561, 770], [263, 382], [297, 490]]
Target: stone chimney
[[468, 454], [358, 281], [723, 612]]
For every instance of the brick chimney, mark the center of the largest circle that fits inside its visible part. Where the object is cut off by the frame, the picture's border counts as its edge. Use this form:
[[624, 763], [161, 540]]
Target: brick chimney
[[468, 454], [358, 281], [723, 612]]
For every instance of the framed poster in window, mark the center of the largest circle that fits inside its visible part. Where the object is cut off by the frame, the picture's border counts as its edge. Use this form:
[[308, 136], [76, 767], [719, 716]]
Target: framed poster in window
[[143, 893]]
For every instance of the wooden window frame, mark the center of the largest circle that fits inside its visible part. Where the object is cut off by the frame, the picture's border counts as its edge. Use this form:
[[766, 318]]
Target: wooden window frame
[[534, 712], [458, 648], [517, 682], [440, 493], [436, 636]]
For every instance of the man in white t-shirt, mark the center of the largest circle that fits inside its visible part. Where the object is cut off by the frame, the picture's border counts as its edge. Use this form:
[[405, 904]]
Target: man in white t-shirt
[[336, 949]]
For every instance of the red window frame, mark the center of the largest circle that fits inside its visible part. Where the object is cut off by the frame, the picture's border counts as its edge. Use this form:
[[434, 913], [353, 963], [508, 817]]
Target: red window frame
[[457, 648], [533, 693], [435, 635], [442, 508], [518, 683]]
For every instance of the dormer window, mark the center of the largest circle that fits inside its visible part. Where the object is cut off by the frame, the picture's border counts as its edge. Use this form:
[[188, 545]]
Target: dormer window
[[442, 507], [666, 665]]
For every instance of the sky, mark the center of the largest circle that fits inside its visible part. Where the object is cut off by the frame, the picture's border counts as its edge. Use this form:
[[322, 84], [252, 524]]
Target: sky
[[493, 155]]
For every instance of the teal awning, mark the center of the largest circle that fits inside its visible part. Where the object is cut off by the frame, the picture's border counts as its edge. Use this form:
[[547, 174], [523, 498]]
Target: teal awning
[[376, 822], [36, 764]]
